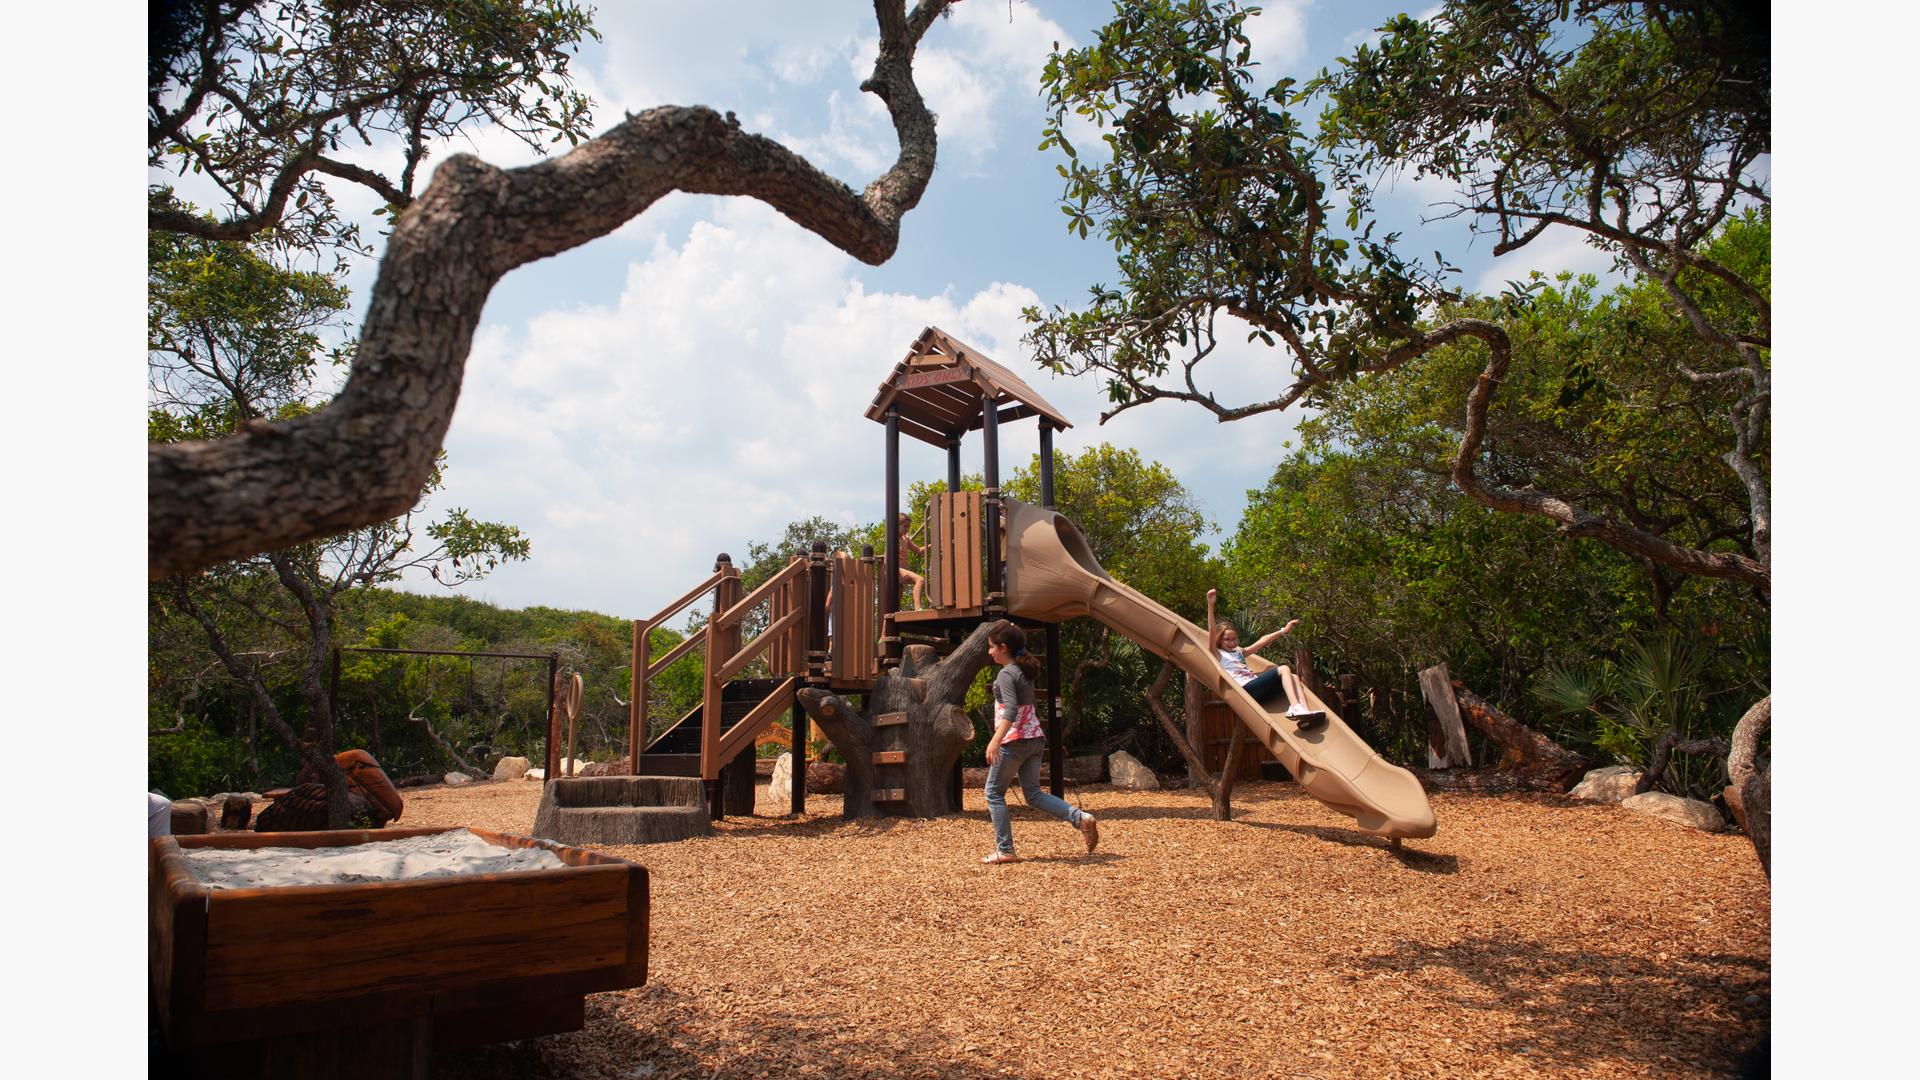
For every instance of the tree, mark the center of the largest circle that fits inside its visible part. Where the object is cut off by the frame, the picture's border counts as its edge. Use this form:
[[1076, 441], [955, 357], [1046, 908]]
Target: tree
[[257, 98], [233, 339], [365, 457], [1636, 124]]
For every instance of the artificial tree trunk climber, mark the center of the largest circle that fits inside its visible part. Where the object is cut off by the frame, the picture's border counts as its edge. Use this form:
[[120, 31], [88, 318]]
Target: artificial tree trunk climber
[[916, 709]]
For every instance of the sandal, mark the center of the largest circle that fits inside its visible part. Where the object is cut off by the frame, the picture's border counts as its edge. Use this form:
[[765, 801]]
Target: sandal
[[998, 857], [1090, 830]]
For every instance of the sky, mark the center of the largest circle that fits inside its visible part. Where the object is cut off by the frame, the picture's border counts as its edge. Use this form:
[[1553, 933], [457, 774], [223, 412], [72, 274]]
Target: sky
[[76, 401], [696, 380]]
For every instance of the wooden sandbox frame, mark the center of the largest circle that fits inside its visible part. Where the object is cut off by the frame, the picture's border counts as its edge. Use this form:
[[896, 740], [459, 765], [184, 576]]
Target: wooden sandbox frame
[[371, 978]]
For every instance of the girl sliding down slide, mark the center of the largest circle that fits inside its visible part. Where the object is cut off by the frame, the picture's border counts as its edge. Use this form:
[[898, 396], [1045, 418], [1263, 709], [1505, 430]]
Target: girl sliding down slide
[[1225, 641]]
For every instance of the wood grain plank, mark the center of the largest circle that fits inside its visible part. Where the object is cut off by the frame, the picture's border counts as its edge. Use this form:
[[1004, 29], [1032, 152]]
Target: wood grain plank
[[890, 757]]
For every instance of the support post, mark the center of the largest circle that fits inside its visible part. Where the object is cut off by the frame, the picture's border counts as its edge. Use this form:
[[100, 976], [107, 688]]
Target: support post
[[953, 465], [990, 504], [1056, 745], [890, 577], [637, 726], [553, 719], [712, 710], [797, 718], [1046, 464]]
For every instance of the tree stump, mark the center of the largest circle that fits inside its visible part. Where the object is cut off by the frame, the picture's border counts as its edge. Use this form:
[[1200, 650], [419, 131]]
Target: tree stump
[[1525, 753], [900, 758]]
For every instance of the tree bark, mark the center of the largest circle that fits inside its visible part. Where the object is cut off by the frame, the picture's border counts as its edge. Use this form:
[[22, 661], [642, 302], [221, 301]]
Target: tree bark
[[931, 695], [1754, 779], [367, 455], [1537, 761], [1665, 747]]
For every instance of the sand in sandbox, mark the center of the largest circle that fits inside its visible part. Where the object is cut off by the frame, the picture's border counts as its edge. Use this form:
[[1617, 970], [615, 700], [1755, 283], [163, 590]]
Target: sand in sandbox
[[446, 854]]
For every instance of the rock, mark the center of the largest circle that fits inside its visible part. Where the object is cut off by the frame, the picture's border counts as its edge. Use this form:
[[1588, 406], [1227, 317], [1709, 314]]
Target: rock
[[780, 784], [571, 766], [1737, 804], [763, 768], [1611, 784], [511, 768], [1689, 812], [826, 778], [604, 768], [159, 814], [534, 774], [1129, 773], [622, 810], [1086, 769], [236, 812], [456, 778], [189, 817]]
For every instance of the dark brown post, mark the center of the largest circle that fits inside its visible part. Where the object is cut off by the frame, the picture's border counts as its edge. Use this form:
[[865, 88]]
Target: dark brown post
[[990, 504], [721, 644], [953, 465], [817, 660], [637, 726], [1056, 746], [553, 721], [890, 577], [1046, 464]]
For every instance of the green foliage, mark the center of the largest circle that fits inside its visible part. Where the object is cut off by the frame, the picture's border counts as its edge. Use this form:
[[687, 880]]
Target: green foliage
[[261, 98]]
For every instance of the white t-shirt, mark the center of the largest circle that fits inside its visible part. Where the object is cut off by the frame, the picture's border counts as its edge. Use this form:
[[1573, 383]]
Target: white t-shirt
[[1235, 661]]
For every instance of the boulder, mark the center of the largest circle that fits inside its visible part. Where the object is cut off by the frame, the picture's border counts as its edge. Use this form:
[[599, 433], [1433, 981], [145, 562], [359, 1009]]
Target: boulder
[[511, 768], [571, 766], [189, 817], [1127, 772], [534, 774], [1689, 812], [456, 778], [1611, 784], [826, 778], [604, 768], [780, 784], [236, 812]]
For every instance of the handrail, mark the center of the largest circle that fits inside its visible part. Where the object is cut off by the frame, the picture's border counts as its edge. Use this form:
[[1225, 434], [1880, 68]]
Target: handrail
[[755, 598], [693, 594], [758, 645], [742, 733], [678, 651]]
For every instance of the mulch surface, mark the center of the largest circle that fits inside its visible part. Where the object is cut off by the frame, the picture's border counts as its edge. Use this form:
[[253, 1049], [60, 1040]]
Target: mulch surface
[[1533, 936]]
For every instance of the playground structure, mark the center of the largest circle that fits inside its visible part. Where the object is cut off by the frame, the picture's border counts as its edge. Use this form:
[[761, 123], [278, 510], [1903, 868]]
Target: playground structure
[[989, 557]]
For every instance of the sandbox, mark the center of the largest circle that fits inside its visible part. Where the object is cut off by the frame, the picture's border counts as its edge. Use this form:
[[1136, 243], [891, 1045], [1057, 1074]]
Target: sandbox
[[372, 973]]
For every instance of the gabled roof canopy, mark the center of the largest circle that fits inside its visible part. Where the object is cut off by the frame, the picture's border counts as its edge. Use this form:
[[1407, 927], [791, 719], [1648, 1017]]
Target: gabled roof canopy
[[938, 390]]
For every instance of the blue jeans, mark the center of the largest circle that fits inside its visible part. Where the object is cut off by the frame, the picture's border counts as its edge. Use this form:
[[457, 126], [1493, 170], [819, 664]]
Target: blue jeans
[[1022, 757], [1264, 686]]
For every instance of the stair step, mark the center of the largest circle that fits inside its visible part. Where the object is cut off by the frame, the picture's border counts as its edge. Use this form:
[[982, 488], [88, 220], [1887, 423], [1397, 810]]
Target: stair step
[[890, 757], [890, 794], [889, 719]]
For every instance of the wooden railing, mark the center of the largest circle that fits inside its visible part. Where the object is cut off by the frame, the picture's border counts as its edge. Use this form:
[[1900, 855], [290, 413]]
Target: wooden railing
[[854, 644], [717, 746], [638, 719]]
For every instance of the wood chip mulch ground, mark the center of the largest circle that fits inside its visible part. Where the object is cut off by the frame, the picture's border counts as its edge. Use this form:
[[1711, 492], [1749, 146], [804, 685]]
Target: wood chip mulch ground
[[1533, 936]]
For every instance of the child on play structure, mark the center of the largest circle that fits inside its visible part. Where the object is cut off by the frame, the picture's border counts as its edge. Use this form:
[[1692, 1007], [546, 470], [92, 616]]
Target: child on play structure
[[1017, 741], [1225, 642], [907, 576]]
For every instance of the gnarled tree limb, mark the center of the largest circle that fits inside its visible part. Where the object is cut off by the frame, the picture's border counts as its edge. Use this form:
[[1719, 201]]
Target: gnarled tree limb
[[367, 455]]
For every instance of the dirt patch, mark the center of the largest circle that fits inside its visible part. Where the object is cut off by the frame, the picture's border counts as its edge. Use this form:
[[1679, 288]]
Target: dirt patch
[[1532, 936]]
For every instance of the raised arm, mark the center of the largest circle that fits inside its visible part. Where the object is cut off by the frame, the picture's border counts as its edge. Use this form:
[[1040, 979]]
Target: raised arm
[[1212, 595], [1273, 637]]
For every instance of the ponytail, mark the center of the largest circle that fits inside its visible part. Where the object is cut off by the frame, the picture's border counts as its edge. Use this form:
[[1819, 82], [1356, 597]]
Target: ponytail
[[1015, 639]]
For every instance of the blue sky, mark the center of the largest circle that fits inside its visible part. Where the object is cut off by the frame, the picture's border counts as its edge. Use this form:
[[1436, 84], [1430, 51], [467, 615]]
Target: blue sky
[[697, 379]]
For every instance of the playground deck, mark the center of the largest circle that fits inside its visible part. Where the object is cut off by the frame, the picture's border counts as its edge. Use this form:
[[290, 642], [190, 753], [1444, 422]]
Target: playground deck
[[1534, 936]]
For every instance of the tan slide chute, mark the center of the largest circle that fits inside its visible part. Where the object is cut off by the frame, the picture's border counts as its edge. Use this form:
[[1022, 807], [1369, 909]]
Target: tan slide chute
[[1052, 575]]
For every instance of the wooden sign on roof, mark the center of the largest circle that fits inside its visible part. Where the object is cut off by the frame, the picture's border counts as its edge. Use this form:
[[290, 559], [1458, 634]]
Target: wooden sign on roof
[[941, 389]]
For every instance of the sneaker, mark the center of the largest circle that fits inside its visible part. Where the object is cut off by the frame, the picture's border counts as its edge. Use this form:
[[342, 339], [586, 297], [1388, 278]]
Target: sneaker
[[998, 857], [1090, 831]]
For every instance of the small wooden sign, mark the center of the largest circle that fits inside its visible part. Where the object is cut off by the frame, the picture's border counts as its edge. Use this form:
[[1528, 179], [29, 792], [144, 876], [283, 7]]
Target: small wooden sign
[[887, 719], [915, 379]]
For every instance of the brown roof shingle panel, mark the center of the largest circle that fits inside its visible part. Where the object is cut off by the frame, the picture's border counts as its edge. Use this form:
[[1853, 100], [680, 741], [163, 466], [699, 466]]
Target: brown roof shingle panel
[[940, 384]]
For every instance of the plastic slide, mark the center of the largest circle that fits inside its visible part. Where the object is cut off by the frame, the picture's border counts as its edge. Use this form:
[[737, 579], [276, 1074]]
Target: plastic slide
[[1052, 575]]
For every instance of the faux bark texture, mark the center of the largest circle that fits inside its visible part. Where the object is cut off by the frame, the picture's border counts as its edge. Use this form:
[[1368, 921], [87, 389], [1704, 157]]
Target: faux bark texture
[[367, 455], [930, 695]]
